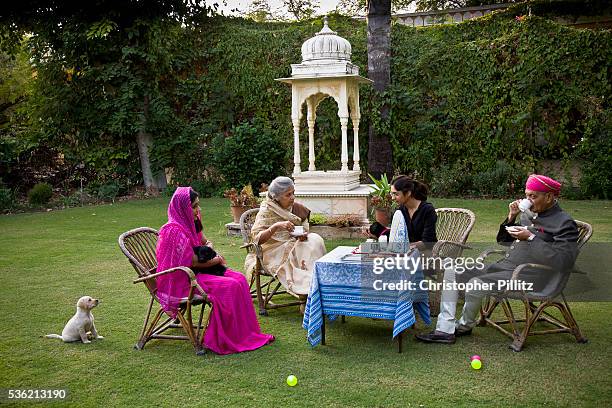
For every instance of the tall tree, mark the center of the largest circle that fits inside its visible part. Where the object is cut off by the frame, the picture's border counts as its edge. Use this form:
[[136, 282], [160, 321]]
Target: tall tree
[[119, 54], [380, 153], [300, 9], [259, 10]]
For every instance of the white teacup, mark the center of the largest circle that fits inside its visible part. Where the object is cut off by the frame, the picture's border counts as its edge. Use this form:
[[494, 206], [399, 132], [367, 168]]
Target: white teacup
[[298, 230], [525, 204]]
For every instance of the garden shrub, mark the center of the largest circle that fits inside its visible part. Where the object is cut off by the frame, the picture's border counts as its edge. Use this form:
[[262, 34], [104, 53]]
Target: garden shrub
[[451, 180], [72, 200], [169, 191], [344, 220], [40, 194], [7, 199], [317, 219], [108, 191], [250, 154], [207, 187], [503, 180], [596, 152]]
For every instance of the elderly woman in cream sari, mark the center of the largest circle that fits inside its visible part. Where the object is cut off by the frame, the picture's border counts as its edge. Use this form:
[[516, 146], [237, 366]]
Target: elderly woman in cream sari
[[290, 257]]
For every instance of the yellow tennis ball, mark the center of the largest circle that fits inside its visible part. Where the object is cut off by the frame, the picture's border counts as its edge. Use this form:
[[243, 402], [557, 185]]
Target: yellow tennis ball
[[476, 364], [292, 381]]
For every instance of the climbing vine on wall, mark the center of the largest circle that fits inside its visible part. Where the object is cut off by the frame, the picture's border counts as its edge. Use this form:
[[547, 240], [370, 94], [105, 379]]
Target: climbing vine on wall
[[474, 106]]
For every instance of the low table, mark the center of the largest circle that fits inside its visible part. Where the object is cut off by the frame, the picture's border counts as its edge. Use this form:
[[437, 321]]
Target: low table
[[341, 287]]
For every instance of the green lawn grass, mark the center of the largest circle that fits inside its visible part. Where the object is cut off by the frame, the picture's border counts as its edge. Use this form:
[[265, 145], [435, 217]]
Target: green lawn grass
[[48, 260]]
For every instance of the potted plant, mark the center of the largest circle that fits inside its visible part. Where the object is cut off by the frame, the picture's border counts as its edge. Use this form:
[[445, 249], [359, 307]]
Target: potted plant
[[382, 202], [241, 201]]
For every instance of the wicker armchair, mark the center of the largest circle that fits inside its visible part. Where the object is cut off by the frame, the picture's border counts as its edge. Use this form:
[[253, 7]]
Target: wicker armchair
[[262, 289], [453, 229], [138, 246], [534, 304]]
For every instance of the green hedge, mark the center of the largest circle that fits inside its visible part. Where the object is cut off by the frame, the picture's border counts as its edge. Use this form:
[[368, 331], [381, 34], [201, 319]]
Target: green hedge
[[464, 98], [498, 88], [474, 106]]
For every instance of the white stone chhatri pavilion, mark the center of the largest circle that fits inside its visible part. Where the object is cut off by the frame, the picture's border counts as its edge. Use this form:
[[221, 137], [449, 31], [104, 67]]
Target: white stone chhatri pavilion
[[326, 71]]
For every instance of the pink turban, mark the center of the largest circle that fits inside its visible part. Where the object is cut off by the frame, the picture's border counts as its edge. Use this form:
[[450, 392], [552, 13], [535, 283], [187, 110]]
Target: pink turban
[[537, 182]]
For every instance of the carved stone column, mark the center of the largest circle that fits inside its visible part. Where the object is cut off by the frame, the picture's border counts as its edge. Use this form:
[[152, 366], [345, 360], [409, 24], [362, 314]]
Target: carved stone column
[[356, 143], [344, 154], [296, 146], [312, 115]]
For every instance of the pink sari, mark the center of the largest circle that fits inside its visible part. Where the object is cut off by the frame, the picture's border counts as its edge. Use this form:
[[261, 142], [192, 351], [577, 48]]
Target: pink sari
[[233, 325]]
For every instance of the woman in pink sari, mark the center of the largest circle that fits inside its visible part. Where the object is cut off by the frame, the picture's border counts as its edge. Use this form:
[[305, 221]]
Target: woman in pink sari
[[233, 325]]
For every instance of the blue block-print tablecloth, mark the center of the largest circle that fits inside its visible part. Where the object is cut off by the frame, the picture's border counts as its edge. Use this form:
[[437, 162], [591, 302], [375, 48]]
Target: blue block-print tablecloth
[[342, 286]]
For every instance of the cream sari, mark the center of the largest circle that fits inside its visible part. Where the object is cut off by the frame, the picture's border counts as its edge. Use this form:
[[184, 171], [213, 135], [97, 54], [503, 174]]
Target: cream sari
[[286, 257]]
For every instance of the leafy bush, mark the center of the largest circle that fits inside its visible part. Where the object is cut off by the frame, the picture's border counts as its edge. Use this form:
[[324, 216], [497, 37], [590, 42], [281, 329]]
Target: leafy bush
[[595, 151], [250, 154], [7, 199], [40, 194], [344, 220], [108, 191], [207, 187], [502, 180], [317, 219], [451, 181], [169, 191], [73, 200]]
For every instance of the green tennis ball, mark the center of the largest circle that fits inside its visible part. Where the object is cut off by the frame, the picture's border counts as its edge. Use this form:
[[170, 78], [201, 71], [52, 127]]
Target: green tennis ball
[[476, 365], [292, 381]]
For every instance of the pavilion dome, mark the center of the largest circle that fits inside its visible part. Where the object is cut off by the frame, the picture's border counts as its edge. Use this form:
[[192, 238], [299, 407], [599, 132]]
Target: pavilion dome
[[326, 46]]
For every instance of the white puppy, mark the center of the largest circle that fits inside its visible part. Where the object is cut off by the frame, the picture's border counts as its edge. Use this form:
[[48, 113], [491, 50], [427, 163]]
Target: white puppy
[[80, 324]]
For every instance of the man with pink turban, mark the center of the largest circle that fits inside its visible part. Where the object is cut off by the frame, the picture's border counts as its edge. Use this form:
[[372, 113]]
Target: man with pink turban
[[544, 234]]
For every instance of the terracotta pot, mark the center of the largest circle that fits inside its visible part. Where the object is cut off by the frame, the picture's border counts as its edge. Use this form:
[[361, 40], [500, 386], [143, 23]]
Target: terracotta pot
[[237, 212]]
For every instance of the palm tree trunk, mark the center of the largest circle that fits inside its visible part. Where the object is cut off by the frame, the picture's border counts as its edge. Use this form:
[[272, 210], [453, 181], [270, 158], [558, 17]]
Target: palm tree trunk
[[380, 154]]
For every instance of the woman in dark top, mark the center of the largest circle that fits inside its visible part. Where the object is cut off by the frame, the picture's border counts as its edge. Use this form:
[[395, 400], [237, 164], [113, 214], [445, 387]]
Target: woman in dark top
[[420, 215]]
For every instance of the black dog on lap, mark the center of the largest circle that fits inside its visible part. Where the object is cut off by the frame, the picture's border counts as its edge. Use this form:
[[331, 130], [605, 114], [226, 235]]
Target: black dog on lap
[[205, 254]]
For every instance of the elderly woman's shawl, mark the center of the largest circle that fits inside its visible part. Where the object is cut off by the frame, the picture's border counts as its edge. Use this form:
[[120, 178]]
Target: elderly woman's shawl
[[287, 258]]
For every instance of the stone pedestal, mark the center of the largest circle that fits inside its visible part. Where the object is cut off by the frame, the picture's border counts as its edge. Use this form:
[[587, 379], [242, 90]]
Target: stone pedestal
[[329, 181], [332, 203]]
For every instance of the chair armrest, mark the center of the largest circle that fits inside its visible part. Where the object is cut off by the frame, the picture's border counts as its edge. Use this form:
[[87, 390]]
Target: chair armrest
[[491, 251], [255, 248], [251, 246], [188, 271], [438, 246], [517, 271]]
